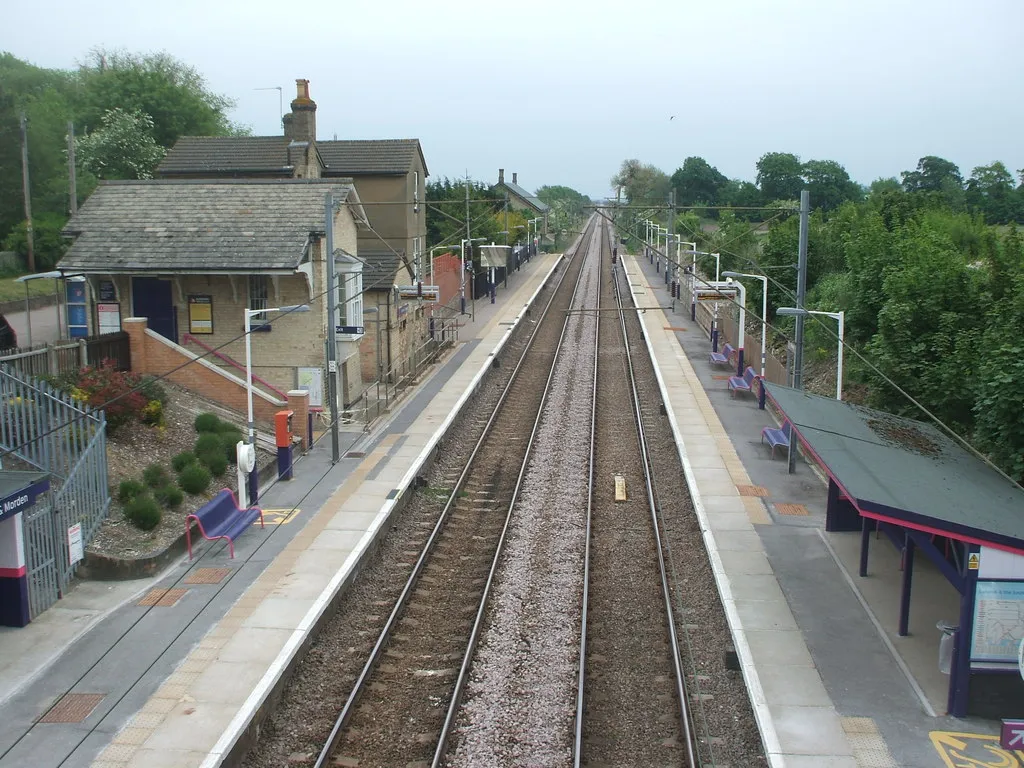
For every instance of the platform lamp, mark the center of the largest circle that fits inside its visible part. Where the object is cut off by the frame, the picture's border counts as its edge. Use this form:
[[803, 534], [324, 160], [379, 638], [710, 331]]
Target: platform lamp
[[462, 273], [841, 317], [764, 322], [246, 452]]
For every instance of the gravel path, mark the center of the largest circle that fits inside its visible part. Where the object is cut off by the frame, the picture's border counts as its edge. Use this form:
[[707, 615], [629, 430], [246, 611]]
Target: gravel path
[[516, 710]]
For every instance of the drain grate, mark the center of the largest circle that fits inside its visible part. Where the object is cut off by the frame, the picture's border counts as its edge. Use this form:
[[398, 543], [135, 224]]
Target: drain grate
[[791, 509], [207, 575], [162, 598], [73, 708], [752, 490]]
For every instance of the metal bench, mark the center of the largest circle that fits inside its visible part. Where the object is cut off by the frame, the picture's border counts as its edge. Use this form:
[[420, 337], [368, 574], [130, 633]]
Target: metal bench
[[221, 518], [724, 357], [776, 437], [744, 383]]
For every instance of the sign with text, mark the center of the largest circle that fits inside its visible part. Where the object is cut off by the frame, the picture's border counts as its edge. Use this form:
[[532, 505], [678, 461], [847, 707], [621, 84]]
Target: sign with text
[[200, 314], [109, 316], [350, 330], [1011, 735], [76, 551], [107, 291], [425, 292], [312, 380], [21, 500], [998, 621]]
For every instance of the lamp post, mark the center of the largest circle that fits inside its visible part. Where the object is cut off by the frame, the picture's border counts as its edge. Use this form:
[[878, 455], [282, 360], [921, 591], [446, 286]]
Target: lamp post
[[841, 317], [253, 494], [437, 248], [764, 314], [535, 231], [462, 273], [54, 275]]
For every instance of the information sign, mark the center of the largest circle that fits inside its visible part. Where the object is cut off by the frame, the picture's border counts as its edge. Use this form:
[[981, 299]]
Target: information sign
[[200, 314], [75, 549], [998, 621]]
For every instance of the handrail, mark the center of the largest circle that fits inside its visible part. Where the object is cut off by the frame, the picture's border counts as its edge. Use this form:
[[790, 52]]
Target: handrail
[[221, 356]]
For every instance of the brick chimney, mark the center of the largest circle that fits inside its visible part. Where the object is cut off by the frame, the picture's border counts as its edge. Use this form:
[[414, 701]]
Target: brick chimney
[[302, 123], [501, 175], [514, 174]]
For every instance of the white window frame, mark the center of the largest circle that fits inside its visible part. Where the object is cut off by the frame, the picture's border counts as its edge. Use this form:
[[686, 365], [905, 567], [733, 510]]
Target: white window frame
[[258, 296], [349, 297], [415, 191]]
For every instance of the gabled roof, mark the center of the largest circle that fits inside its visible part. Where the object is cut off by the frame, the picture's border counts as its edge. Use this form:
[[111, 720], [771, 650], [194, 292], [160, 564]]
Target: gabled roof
[[532, 200], [353, 157], [276, 155], [380, 268], [170, 225]]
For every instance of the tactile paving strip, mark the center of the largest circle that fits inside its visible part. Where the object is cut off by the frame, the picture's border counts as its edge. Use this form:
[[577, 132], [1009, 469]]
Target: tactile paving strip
[[791, 509], [73, 708], [207, 575], [721, 377], [752, 490], [869, 748], [162, 598]]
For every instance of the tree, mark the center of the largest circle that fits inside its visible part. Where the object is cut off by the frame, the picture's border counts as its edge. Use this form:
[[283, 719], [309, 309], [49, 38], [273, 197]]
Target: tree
[[567, 201], [446, 211], [933, 174], [780, 176], [829, 184], [642, 182], [48, 244], [123, 148], [698, 182], [990, 191]]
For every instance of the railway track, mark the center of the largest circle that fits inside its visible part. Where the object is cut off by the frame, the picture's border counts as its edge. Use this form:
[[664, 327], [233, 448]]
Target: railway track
[[396, 711]]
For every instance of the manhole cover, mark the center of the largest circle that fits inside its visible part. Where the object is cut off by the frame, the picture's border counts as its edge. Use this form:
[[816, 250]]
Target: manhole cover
[[791, 509], [207, 575], [752, 490], [163, 598], [73, 708]]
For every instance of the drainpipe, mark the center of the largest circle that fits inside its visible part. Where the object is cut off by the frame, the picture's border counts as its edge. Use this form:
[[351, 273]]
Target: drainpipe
[[387, 328]]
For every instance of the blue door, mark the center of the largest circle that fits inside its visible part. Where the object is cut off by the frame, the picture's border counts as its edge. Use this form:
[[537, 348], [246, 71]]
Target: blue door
[[151, 298]]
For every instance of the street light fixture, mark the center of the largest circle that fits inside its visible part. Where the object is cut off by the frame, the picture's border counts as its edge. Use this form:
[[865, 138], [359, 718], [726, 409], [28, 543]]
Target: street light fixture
[[841, 317], [462, 273], [253, 493], [764, 312]]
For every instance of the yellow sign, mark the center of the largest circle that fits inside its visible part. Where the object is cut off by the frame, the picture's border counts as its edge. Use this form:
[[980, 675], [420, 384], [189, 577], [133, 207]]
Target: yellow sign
[[200, 314], [973, 561], [974, 750], [278, 516]]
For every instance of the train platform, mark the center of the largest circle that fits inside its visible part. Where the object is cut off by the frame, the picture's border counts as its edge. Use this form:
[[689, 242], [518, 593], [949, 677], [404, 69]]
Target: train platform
[[170, 671], [831, 681]]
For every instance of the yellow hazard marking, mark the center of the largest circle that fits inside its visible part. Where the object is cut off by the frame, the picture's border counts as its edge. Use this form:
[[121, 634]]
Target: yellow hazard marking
[[973, 561], [620, 488], [278, 516], [974, 750]]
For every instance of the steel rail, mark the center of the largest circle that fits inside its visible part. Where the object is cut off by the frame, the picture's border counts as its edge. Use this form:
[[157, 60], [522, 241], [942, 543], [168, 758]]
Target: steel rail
[[460, 683], [339, 726], [684, 709], [585, 607]]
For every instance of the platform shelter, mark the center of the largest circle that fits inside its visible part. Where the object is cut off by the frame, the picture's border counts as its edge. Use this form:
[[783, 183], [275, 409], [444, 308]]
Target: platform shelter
[[907, 480]]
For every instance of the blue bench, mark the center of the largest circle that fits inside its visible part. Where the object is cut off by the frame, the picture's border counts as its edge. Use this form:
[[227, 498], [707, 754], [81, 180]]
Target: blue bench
[[777, 437], [724, 357], [743, 383], [221, 518]]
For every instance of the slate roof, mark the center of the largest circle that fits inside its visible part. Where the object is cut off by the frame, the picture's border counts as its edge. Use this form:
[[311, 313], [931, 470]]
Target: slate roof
[[231, 154], [535, 202], [379, 268], [353, 157], [170, 225]]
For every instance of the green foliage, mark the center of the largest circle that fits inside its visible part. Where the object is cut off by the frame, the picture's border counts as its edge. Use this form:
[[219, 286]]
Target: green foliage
[[122, 147], [446, 216], [169, 495], [642, 183], [208, 442], [48, 243], [207, 422], [155, 475], [230, 435], [990, 191], [195, 478], [698, 182], [829, 184], [128, 490], [182, 460], [104, 386], [780, 176], [152, 389], [143, 512], [217, 463]]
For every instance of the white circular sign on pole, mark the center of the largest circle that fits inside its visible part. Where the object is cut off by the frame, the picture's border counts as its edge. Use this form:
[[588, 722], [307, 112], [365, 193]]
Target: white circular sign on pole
[[1020, 658]]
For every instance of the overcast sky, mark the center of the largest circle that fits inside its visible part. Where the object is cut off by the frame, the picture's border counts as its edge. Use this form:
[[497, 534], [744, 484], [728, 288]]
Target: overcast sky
[[562, 92]]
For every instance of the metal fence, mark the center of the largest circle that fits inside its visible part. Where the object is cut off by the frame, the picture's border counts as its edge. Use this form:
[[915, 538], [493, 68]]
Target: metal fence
[[68, 356], [52, 432]]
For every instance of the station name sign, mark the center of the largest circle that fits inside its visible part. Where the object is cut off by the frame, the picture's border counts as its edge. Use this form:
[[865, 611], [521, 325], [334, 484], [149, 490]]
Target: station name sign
[[425, 292], [23, 499]]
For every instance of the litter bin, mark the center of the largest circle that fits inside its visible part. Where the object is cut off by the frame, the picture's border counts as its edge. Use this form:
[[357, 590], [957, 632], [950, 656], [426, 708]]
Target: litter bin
[[946, 645]]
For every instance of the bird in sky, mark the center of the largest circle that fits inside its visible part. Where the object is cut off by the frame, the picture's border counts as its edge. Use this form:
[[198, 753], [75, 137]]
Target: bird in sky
[[672, 118]]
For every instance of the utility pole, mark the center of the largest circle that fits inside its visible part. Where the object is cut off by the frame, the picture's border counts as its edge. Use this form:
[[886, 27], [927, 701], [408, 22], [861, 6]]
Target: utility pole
[[469, 244], [26, 190], [72, 181], [801, 293], [670, 269], [332, 329]]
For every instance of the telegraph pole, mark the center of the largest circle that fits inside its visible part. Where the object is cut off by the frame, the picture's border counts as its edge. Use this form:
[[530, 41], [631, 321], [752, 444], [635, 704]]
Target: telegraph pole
[[801, 293], [26, 190], [332, 329], [72, 181], [472, 271], [670, 269]]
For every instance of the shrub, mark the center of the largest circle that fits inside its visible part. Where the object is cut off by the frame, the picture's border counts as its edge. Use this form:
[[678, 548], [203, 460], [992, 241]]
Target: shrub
[[104, 386], [194, 478], [155, 475], [229, 440], [207, 422], [143, 512], [152, 389], [153, 414], [182, 460], [128, 490], [208, 442], [169, 495], [215, 462]]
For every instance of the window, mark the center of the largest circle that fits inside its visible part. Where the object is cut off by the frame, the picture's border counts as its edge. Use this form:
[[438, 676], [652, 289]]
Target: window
[[258, 296], [415, 191], [417, 258], [350, 298]]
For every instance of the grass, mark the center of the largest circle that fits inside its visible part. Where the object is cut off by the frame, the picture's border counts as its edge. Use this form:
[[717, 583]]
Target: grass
[[12, 291]]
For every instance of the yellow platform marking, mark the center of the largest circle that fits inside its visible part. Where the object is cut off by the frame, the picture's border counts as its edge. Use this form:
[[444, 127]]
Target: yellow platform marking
[[278, 516], [620, 488], [974, 750]]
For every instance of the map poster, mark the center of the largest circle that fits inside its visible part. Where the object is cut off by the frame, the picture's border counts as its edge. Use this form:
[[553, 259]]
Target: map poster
[[998, 621]]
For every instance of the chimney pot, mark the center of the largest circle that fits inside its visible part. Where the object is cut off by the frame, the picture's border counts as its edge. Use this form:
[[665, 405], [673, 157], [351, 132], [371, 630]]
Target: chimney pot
[[301, 89], [501, 175], [514, 174]]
